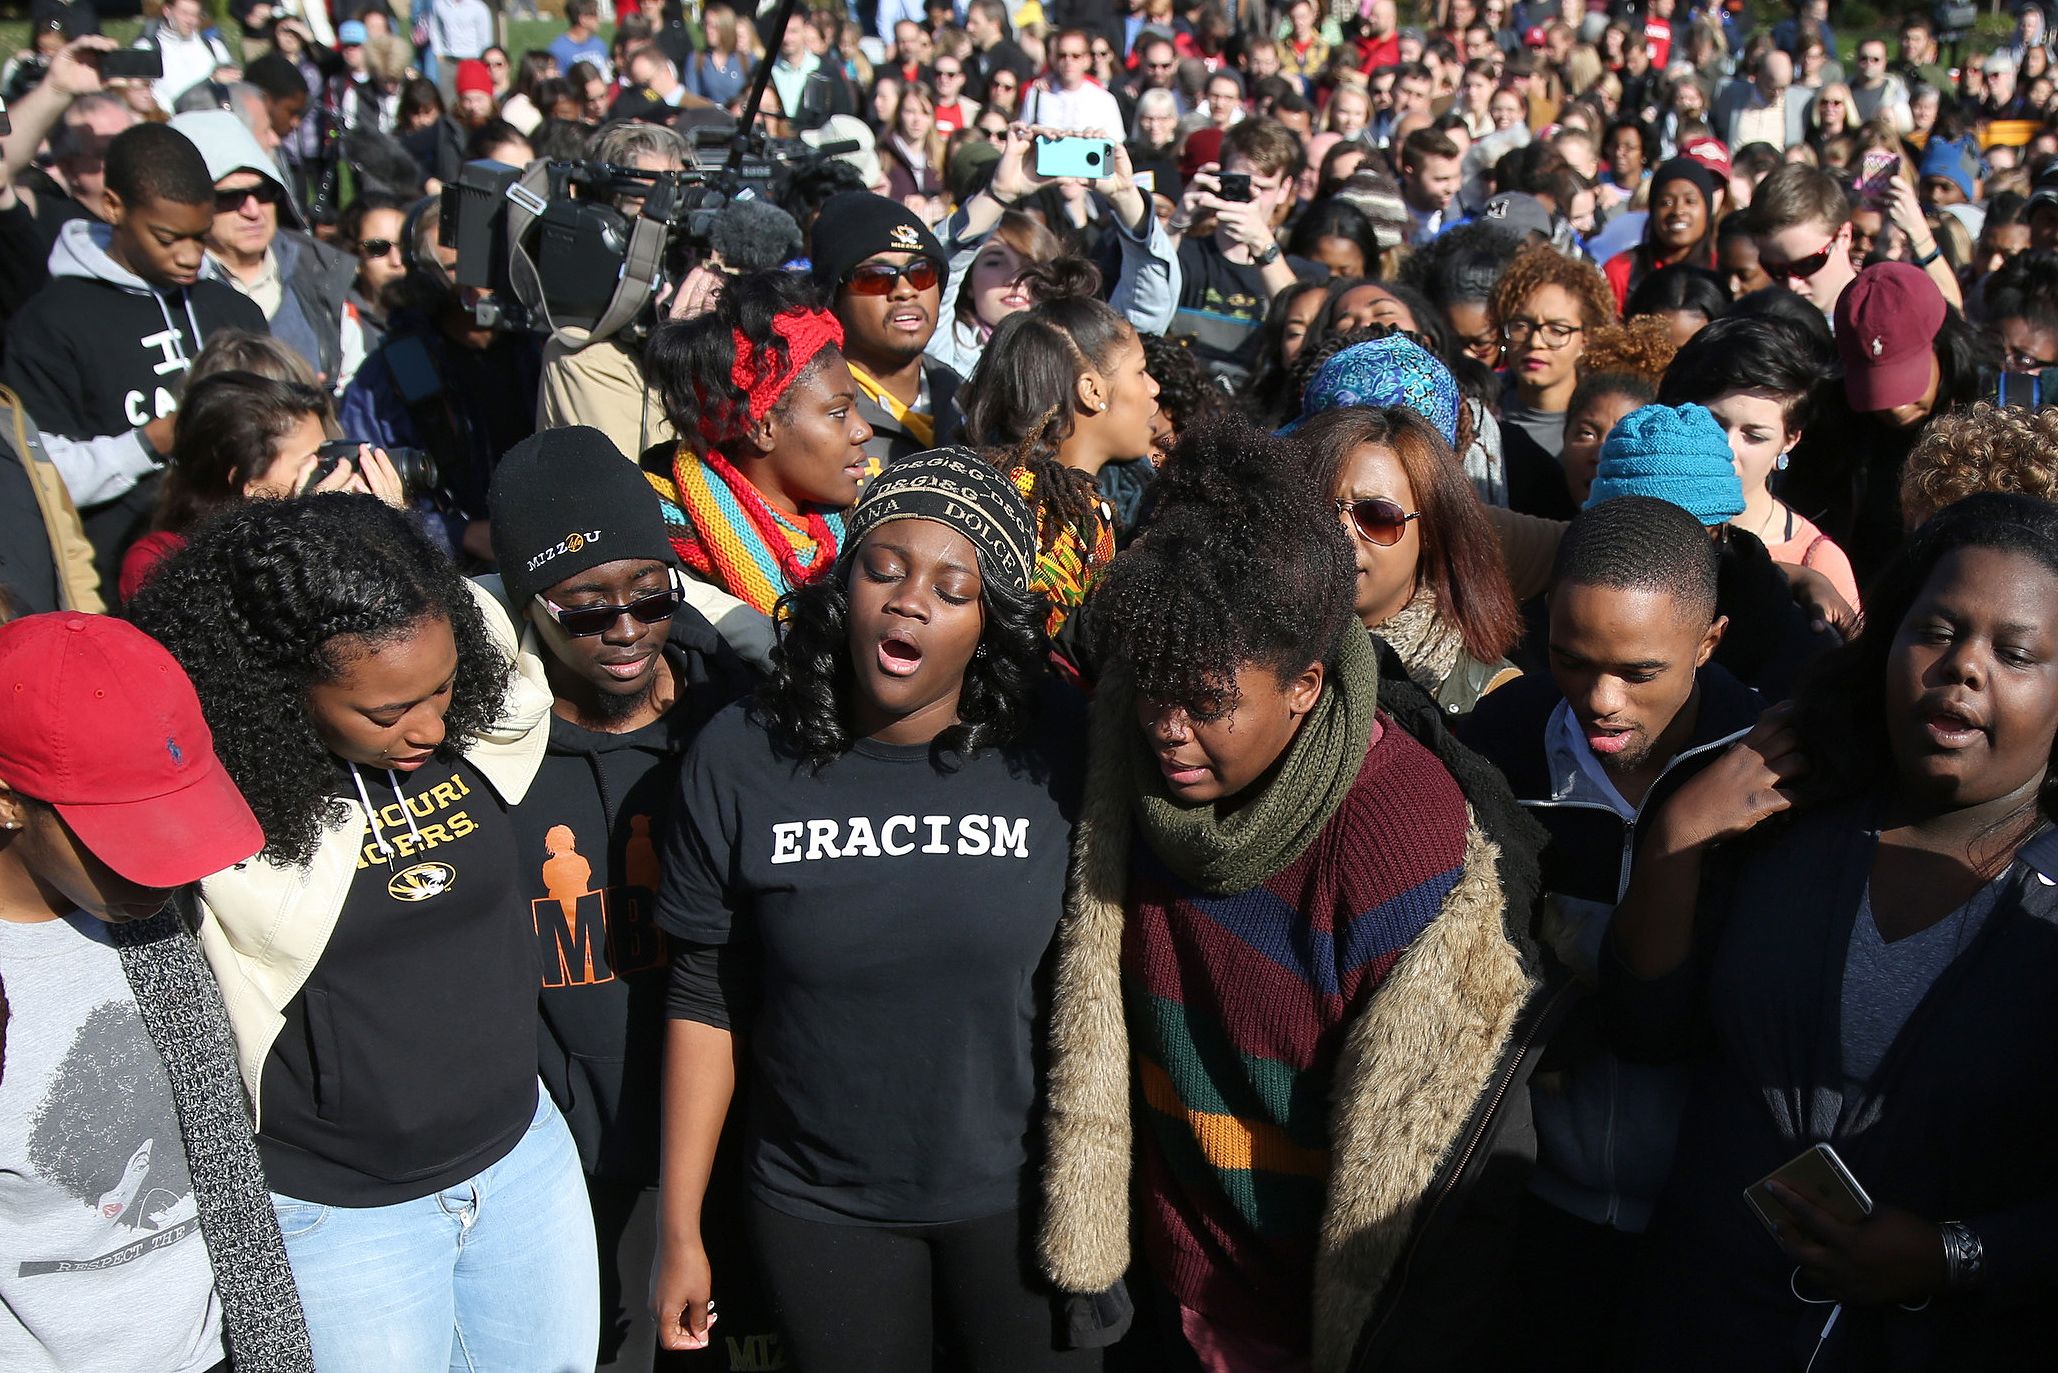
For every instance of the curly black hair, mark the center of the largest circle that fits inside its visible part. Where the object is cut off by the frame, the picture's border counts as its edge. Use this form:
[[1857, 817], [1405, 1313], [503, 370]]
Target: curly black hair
[[253, 608], [805, 700], [1186, 392], [1840, 710], [1245, 563]]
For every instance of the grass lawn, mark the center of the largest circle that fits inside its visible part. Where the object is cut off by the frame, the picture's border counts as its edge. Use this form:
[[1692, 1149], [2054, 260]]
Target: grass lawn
[[522, 34]]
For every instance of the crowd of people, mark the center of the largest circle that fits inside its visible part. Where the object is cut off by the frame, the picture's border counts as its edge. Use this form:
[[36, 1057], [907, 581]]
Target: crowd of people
[[1416, 729]]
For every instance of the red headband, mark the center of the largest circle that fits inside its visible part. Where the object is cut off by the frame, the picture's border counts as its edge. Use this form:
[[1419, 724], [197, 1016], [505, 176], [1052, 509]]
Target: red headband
[[757, 372]]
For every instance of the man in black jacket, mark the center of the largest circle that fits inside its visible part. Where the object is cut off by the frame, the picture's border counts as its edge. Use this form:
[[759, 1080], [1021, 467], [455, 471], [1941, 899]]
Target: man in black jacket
[[592, 583], [1633, 707]]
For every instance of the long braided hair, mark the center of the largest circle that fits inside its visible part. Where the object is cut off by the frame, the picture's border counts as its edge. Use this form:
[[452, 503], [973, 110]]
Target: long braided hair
[[1020, 400]]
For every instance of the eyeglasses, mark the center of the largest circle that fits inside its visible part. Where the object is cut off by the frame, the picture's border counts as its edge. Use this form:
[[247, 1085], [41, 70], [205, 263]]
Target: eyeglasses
[[1378, 521], [1550, 333], [1073, 55], [231, 200], [1103, 54], [585, 621], [879, 278], [375, 247], [1801, 268], [951, 72]]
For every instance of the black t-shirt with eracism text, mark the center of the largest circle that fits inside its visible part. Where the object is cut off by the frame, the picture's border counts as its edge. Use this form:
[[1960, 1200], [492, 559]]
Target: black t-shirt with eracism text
[[901, 911]]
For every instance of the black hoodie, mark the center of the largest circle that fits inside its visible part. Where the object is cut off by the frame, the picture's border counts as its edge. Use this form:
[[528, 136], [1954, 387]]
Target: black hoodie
[[98, 351], [590, 830]]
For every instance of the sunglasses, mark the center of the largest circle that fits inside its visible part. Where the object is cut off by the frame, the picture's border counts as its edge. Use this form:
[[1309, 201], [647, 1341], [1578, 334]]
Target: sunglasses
[[266, 192], [1378, 521], [879, 278], [375, 247], [1801, 268], [585, 621]]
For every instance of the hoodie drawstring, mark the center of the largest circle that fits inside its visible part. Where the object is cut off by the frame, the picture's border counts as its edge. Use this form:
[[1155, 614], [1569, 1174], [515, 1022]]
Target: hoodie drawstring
[[371, 812]]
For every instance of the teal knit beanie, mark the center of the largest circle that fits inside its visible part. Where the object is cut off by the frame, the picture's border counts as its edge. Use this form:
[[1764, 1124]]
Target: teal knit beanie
[[1677, 453]]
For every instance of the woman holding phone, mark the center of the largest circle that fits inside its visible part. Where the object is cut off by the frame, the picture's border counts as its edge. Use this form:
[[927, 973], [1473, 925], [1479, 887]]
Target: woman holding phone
[[1871, 971]]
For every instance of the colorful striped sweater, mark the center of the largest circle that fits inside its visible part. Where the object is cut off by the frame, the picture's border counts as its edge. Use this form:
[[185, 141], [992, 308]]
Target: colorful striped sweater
[[1238, 1007]]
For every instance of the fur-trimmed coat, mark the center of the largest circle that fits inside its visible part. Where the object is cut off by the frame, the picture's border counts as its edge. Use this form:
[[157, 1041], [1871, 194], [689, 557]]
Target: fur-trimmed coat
[[1426, 1079]]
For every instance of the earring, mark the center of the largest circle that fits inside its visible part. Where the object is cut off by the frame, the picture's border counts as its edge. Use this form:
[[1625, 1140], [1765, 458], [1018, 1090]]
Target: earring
[[979, 652], [1100, 407], [1779, 464]]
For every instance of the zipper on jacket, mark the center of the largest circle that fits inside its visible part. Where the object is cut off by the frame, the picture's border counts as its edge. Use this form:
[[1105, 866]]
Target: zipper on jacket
[[1504, 1079]]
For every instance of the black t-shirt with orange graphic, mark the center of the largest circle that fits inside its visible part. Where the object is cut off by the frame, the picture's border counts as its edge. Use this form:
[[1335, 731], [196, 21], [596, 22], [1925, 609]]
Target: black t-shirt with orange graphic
[[587, 876], [405, 1063]]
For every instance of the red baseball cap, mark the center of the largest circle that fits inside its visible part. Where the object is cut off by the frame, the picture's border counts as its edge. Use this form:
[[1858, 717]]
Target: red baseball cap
[[1709, 152], [98, 721], [1886, 327]]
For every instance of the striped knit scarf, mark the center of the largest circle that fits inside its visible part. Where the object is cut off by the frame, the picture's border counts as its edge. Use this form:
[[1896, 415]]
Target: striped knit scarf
[[726, 532], [1068, 566]]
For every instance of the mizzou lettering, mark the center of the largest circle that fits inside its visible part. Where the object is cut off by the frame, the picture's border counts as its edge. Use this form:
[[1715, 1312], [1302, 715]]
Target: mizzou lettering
[[443, 826]]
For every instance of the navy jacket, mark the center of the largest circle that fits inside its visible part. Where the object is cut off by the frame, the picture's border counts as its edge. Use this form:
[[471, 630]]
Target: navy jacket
[[1956, 1124]]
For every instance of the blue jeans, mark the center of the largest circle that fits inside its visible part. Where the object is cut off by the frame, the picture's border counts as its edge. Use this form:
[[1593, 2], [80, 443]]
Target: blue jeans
[[494, 1275]]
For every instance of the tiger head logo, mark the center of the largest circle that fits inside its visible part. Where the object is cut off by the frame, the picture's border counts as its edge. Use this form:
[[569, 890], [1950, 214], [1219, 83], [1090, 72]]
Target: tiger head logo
[[421, 882]]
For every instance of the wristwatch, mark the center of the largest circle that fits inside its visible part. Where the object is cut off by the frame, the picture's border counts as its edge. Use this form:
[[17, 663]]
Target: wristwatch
[[1268, 257], [1965, 1258]]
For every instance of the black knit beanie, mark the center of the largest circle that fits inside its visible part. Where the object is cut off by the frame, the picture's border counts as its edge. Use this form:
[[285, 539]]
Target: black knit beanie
[[855, 225], [955, 487], [565, 500]]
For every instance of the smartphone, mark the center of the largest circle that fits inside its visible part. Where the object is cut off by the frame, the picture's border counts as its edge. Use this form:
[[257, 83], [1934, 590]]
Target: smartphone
[[136, 64], [1875, 170], [1091, 158], [1235, 186], [1820, 1176]]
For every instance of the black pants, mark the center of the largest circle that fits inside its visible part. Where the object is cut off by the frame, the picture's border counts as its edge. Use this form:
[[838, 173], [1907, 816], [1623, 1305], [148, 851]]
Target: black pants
[[878, 1299]]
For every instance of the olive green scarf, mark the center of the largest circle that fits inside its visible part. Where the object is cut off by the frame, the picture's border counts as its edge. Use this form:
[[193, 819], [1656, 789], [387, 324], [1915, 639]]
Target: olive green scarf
[[1221, 853]]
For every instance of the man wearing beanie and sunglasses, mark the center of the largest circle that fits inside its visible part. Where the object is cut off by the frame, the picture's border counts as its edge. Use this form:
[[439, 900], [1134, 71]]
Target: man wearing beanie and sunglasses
[[883, 274], [634, 671]]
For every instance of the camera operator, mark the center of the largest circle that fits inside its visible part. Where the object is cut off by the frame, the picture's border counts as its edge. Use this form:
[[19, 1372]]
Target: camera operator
[[601, 384], [442, 382]]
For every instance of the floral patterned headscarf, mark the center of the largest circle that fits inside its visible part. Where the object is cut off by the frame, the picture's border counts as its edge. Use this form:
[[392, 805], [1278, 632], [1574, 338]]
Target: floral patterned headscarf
[[1385, 372]]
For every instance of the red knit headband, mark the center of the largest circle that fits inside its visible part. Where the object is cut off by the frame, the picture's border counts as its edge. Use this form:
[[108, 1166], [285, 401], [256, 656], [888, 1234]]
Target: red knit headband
[[757, 372]]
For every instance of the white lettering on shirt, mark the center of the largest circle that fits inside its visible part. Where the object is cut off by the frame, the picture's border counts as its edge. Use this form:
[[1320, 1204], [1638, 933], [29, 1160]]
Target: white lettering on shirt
[[821, 840], [969, 836]]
